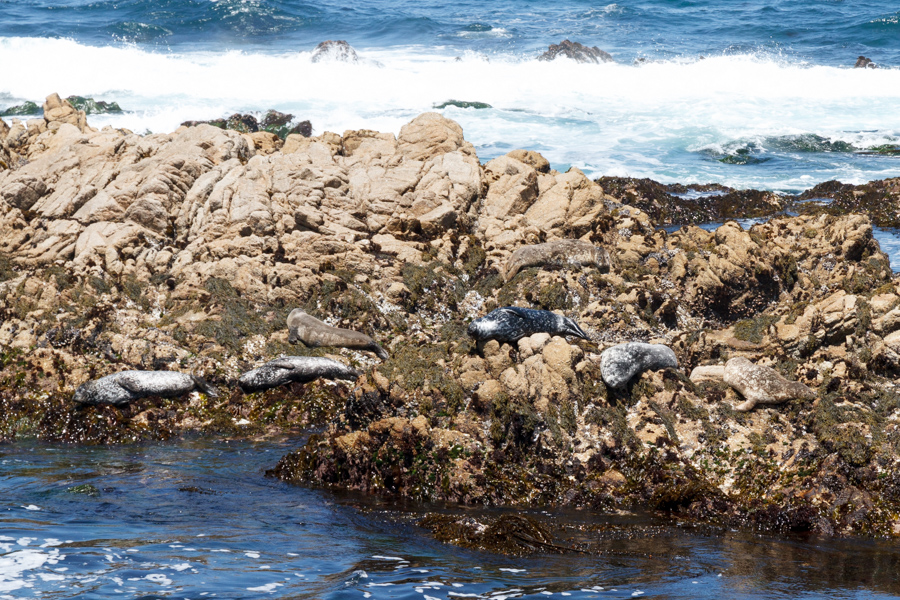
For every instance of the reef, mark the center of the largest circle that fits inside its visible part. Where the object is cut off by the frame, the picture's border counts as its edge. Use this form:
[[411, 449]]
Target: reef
[[187, 251]]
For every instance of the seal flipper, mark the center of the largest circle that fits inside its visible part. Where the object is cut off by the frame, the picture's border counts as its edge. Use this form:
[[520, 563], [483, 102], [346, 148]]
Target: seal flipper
[[379, 351], [205, 387]]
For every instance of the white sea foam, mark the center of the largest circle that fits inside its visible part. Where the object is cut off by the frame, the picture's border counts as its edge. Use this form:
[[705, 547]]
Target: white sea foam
[[608, 119]]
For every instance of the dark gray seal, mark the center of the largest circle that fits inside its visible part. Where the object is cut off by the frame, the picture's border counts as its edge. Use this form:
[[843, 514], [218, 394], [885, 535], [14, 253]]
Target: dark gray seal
[[620, 364], [511, 323], [121, 388], [300, 369], [303, 327]]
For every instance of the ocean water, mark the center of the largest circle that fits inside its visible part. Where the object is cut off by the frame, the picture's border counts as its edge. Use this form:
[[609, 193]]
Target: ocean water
[[767, 86], [198, 519]]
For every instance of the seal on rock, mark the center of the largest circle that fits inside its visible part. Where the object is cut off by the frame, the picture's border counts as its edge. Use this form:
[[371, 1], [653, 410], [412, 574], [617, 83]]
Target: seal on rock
[[121, 388], [620, 363], [303, 327], [301, 369], [557, 253], [511, 323], [762, 385]]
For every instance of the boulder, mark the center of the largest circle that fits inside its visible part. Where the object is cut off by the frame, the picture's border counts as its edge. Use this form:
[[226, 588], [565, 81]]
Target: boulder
[[621, 363], [762, 385], [864, 63]]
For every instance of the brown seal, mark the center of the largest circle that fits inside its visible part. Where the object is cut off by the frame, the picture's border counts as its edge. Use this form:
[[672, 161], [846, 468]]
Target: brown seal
[[557, 253], [305, 328]]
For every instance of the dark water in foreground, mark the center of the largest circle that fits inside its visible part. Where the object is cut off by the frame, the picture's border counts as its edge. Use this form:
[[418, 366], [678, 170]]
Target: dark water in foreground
[[198, 519]]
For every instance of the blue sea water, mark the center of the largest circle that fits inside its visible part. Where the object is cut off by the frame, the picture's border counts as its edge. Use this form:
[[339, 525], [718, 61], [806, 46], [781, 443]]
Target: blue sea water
[[198, 519], [695, 81]]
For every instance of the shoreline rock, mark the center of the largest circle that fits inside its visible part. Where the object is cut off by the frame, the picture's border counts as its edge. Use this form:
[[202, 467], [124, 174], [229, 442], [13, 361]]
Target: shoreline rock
[[186, 251]]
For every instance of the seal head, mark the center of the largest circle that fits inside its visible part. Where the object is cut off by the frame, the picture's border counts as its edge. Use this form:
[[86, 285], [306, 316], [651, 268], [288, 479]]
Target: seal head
[[512, 323]]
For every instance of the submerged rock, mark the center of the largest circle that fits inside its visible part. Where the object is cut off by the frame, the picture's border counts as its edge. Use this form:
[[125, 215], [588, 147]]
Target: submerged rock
[[577, 52], [516, 535], [762, 385], [620, 364]]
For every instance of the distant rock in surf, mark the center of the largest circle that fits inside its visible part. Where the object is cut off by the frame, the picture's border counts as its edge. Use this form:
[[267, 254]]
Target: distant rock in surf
[[275, 122], [463, 104], [94, 107], [334, 50], [864, 63], [577, 52]]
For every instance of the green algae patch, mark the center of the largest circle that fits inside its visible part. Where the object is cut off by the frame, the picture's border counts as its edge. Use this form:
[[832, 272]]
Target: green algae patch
[[754, 330]]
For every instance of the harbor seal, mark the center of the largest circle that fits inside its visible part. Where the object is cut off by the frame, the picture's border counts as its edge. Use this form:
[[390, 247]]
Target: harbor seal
[[619, 364], [121, 388], [557, 253], [303, 327], [300, 369], [762, 385], [511, 323]]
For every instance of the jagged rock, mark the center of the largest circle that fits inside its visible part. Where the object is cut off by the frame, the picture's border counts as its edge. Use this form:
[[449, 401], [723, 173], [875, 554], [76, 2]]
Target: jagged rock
[[864, 63], [531, 158], [334, 50], [762, 385], [621, 363], [58, 111], [557, 254], [577, 52]]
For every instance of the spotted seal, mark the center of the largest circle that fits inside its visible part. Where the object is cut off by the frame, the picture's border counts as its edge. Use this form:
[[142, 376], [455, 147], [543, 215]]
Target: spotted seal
[[511, 323], [557, 253], [121, 388], [303, 327], [301, 369], [762, 385]]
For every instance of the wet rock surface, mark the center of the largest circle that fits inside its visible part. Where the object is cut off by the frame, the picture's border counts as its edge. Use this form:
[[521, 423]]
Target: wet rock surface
[[576, 51], [186, 252]]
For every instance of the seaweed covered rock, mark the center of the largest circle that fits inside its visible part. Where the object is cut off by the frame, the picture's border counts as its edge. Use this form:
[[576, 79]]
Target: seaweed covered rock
[[186, 252]]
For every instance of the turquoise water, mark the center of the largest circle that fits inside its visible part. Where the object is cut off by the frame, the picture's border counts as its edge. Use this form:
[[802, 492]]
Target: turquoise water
[[768, 84], [198, 519]]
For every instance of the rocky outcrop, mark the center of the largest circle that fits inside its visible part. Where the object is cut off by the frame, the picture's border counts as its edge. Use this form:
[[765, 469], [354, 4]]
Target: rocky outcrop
[[186, 251], [864, 63], [577, 52]]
